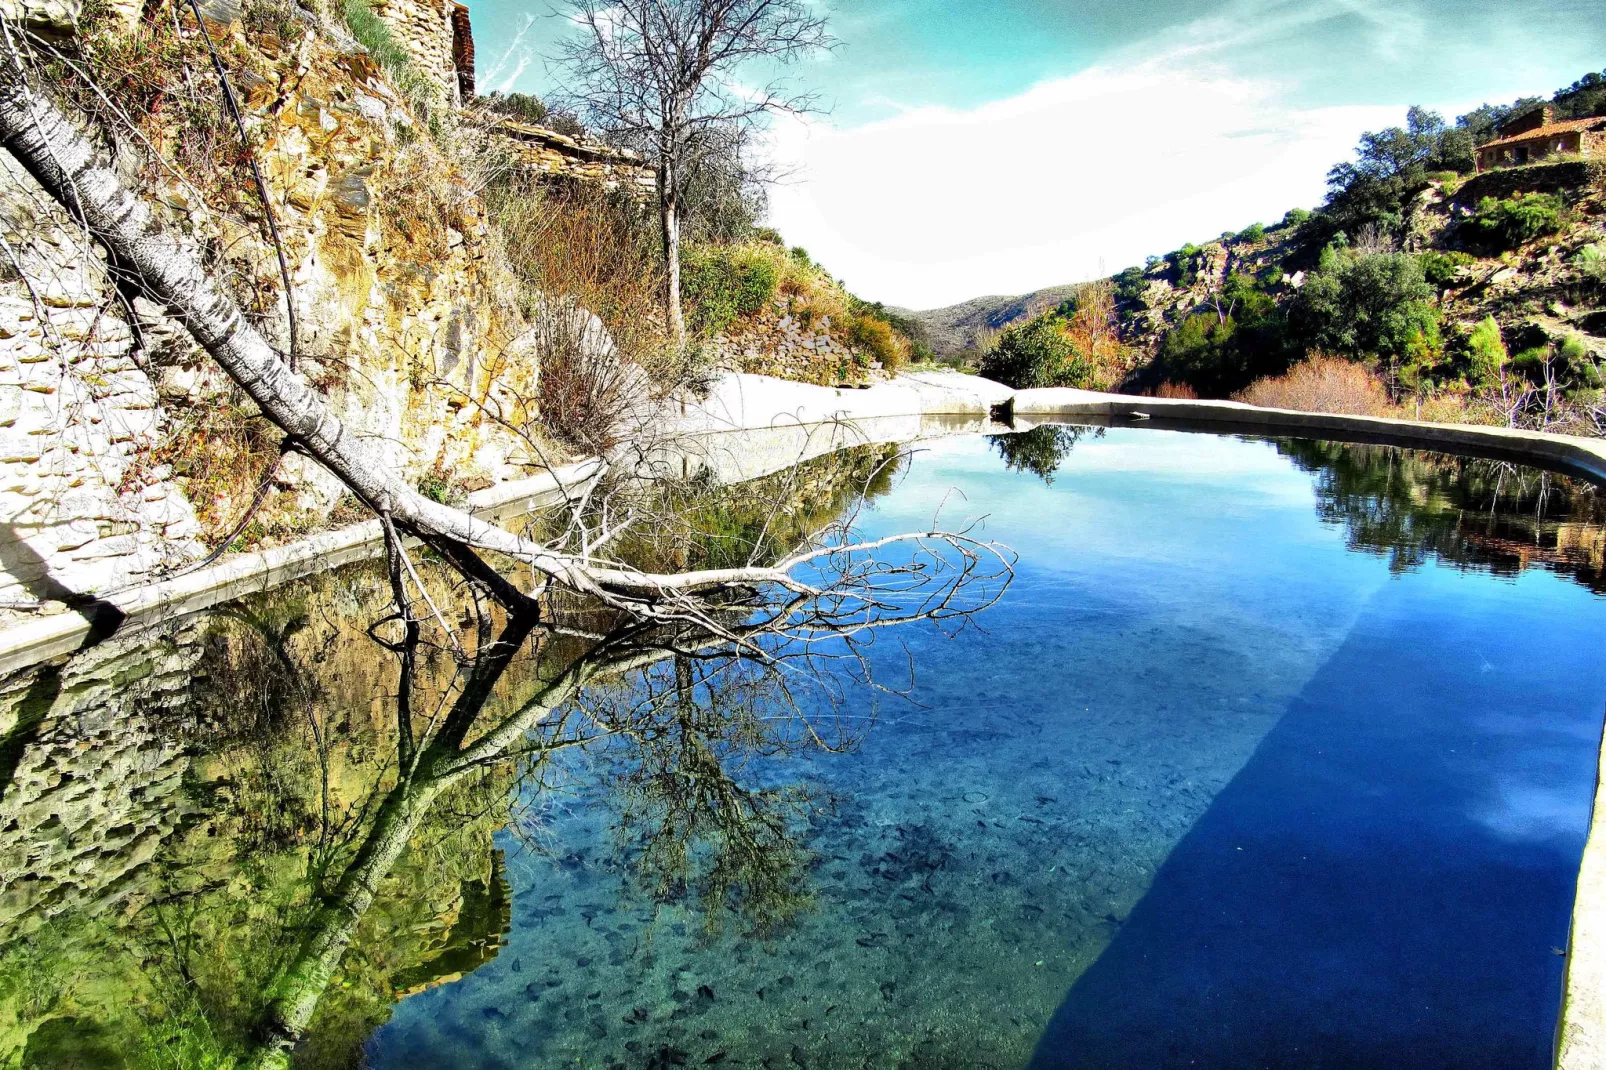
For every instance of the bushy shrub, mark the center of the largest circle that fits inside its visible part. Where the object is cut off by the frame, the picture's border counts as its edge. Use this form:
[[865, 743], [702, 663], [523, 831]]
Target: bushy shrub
[[1031, 354], [1180, 391], [1486, 353], [525, 107], [1499, 225], [1440, 268], [1294, 217], [1252, 233], [1321, 384], [1075, 345], [1367, 304], [1591, 264], [721, 283], [1226, 344], [874, 338]]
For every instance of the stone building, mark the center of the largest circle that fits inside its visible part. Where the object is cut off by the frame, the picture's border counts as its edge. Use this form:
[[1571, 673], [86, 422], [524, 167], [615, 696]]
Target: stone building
[[1537, 135], [437, 36]]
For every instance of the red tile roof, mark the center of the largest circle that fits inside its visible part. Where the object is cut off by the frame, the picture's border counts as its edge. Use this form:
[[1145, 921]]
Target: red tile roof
[[1565, 127]]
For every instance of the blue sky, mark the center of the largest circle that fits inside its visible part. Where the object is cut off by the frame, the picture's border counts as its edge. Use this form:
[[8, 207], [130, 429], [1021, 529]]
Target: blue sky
[[998, 146]]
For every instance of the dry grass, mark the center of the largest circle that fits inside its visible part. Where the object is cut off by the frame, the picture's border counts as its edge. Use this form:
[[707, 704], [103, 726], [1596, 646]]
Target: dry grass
[[579, 251], [1322, 384]]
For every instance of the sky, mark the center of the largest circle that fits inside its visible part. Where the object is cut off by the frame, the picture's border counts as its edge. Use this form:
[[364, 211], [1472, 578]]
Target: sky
[[977, 147]]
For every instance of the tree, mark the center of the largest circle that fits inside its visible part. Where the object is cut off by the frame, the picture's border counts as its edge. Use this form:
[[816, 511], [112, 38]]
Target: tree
[[663, 74], [1366, 305]]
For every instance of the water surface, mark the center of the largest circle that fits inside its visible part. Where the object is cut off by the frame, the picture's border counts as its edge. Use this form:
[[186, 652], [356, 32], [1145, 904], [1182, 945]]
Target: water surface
[[1275, 753]]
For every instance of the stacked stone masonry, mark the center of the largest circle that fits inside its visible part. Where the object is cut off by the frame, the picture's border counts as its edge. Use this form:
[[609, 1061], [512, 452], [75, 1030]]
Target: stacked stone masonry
[[95, 791], [561, 157]]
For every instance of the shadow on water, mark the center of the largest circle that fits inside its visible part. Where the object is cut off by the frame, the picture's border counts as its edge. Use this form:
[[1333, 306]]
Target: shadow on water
[[1364, 893]]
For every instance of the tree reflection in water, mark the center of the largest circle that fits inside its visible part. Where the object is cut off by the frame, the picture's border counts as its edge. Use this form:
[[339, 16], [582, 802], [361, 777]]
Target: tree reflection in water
[[1413, 507], [338, 849]]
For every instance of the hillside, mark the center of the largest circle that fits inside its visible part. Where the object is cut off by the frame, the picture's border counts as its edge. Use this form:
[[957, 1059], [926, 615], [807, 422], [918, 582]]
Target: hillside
[[969, 325], [1422, 287]]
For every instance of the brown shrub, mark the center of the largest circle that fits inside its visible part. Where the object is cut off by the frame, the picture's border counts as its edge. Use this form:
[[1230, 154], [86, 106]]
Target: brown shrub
[[1322, 384], [1181, 391], [577, 251]]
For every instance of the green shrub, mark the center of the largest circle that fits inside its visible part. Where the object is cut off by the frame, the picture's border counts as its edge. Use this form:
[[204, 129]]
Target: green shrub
[[1036, 353], [525, 107], [722, 283], [1252, 233], [874, 338], [1294, 217], [1486, 353], [1224, 346], [1367, 304], [1506, 224], [1440, 268], [1591, 263], [1570, 367]]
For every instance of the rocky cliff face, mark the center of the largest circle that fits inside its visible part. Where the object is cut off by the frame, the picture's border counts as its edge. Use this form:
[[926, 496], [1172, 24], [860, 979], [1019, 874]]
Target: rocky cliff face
[[122, 451]]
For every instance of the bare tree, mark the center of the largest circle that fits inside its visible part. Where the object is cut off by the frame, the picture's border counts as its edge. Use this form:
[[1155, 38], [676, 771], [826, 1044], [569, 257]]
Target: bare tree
[[78, 172], [662, 73]]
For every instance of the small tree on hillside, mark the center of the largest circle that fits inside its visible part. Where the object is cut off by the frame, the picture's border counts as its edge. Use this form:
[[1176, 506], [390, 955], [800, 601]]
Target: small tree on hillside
[[662, 73]]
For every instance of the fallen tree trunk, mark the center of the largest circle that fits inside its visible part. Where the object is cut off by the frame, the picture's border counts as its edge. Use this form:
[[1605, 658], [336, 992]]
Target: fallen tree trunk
[[72, 169]]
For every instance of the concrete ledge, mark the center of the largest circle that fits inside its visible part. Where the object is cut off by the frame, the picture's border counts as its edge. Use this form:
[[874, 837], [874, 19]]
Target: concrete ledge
[[234, 576], [1579, 456], [749, 425]]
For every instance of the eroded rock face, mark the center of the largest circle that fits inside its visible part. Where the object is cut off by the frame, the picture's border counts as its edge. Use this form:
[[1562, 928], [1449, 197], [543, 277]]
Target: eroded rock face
[[406, 316]]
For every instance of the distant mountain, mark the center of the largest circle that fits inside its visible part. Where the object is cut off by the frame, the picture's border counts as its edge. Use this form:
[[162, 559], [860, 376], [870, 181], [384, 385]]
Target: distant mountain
[[956, 328]]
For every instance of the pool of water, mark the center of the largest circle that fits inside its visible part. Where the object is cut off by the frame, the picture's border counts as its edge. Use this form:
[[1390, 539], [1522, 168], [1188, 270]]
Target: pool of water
[[1273, 754], [1211, 787]]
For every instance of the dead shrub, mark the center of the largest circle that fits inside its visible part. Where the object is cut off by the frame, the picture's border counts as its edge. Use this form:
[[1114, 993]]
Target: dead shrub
[[579, 250], [1180, 391], [1322, 384]]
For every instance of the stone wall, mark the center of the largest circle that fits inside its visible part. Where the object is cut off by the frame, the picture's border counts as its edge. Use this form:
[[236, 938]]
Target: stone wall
[[424, 28], [780, 343], [408, 322], [81, 509], [561, 157], [90, 772]]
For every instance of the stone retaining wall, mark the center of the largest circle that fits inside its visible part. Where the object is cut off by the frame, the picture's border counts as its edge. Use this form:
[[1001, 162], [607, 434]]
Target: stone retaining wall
[[81, 509], [91, 770], [559, 156]]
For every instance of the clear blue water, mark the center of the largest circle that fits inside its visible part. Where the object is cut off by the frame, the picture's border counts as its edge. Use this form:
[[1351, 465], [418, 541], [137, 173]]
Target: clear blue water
[[1216, 785]]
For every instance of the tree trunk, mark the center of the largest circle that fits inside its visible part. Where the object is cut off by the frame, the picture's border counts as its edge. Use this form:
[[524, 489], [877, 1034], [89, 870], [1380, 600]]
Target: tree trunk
[[669, 217], [70, 167], [299, 989], [77, 174]]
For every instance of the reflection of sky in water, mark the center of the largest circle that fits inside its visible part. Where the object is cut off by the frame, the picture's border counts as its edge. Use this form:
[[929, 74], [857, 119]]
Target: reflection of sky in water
[[1205, 781]]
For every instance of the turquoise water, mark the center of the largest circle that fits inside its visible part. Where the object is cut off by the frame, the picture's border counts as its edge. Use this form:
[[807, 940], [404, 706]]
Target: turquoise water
[[1270, 757]]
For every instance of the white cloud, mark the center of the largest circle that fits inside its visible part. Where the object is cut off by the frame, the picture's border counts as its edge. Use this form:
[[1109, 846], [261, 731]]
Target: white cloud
[[1067, 181], [502, 73]]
